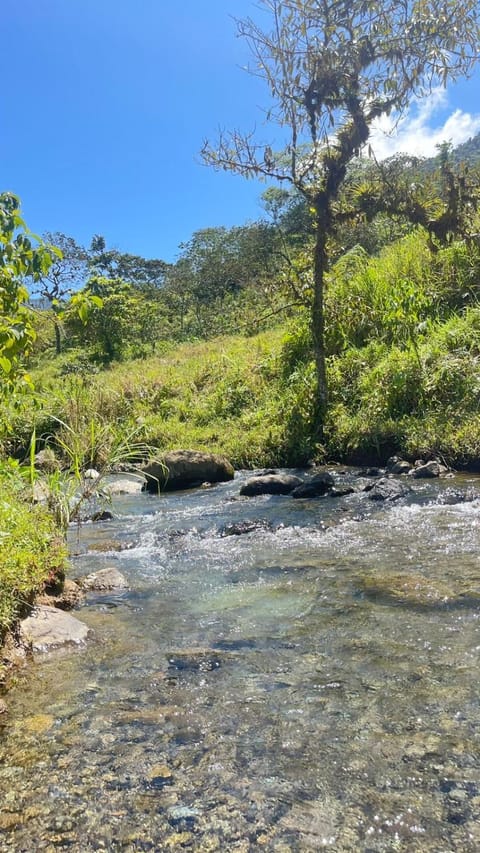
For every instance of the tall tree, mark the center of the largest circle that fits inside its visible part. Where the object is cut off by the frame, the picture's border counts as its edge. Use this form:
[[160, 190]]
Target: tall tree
[[147, 274], [333, 67], [67, 273]]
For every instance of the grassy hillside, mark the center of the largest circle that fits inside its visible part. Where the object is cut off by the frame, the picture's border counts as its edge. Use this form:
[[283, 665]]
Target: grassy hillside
[[403, 336]]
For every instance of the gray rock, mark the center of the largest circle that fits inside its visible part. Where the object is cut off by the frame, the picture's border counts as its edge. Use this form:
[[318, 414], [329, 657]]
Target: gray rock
[[186, 469], [458, 496], [124, 484], [271, 484], [238, 528], [429, 470], [340, 493], [103, 581], [315, 486], [183, 815], [45, 460], [387, 490], [49, 627], [396, 465]]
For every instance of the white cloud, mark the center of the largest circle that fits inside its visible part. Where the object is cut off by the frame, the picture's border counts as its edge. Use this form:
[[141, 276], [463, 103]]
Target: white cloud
[[417, 133]]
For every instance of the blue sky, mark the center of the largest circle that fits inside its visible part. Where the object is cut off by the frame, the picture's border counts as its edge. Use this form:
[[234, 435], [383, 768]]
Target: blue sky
[[104, 105]]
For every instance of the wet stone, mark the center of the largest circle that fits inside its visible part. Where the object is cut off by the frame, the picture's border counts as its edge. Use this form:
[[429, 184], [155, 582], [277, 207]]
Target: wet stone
[[429, 470], [9, 820], [38, 723], [412, 590], [178, 815], [316, 486], [239, 528], [104, 580], [48, 627], [194, 659], [270, 484], [386, 489], [159, 777]]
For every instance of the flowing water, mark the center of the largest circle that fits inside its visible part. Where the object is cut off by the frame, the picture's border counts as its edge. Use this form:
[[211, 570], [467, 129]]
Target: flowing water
[[310, 684]]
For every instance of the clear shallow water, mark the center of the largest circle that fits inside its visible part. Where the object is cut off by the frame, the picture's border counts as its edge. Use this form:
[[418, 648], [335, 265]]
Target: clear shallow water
[[309, 686]]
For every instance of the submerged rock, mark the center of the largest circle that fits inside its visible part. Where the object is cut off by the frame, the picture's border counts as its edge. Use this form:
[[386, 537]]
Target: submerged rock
[[409, 589], [104, 580], [48, 627], [185, 469], [194, 659], [458, 496], [270, 484], [387, 490]]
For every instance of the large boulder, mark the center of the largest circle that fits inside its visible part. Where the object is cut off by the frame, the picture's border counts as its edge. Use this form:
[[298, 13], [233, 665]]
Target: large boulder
[[429, 470], [185, 469], [315, 486], [270, 484], [49, 627], [387, 490]]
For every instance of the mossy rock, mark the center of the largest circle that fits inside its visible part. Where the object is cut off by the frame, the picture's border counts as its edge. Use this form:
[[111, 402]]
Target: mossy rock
[[413, 590]]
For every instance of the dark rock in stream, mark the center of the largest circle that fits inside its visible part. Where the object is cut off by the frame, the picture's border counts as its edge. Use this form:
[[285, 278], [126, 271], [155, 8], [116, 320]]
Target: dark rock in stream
[[341, 493], [387, 490], [397, 465], [316, 486], [429, 470], [238, 528], [371, 472], [102, 515], [270, 484], [194, 659]]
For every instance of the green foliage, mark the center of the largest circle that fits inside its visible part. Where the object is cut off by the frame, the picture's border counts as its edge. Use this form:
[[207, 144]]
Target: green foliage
[[19, 258], [29, 543], [112, 319]]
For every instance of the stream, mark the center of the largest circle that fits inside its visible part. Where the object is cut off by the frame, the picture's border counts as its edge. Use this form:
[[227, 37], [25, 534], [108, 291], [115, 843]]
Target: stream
[[310, 684]]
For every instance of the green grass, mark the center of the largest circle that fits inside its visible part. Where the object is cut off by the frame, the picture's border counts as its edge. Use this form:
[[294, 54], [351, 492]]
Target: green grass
[[31, 548]]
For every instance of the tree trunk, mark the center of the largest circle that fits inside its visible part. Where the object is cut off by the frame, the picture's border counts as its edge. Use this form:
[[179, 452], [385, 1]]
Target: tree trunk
[[58, 337], [318, 325]]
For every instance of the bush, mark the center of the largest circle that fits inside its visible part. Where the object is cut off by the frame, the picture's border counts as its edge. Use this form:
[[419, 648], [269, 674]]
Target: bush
[[32, 550]]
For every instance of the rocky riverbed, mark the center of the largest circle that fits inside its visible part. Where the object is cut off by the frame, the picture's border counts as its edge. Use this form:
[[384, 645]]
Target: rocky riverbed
[[279, 674]]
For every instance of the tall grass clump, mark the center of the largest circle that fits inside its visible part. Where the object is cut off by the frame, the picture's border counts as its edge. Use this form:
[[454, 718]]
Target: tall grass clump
[[32, 551]]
